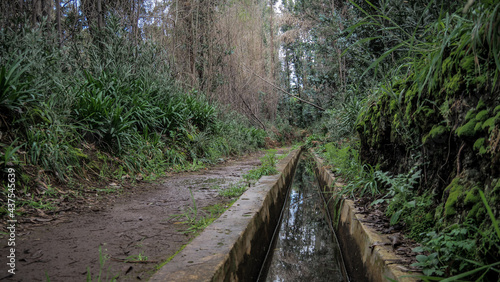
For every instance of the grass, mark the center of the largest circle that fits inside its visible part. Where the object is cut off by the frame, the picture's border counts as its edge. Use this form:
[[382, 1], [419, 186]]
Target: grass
[[197, 219], [135, 258], [103, 274], [234, 190], [268, 167]]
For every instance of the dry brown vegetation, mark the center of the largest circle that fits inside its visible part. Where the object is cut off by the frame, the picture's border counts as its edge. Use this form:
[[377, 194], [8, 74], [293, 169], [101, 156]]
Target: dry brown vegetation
[[218, 47]]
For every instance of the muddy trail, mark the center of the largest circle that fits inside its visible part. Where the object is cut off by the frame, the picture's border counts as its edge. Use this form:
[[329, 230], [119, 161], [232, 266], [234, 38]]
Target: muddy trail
[[135, 232]]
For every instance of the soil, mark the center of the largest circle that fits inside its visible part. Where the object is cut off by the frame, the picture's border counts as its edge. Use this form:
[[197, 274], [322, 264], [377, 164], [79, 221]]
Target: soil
[[126, 228]]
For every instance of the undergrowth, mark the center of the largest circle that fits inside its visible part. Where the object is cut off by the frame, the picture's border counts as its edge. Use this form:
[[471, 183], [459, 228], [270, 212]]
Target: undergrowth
[[104, 110], [422, 146]]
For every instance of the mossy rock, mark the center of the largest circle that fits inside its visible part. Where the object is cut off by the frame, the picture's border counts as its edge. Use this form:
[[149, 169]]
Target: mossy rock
[[472, 196], [455, 190], [477, 212]]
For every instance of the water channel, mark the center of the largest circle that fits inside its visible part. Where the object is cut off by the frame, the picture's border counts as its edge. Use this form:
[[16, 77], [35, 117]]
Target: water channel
[[305, 247]]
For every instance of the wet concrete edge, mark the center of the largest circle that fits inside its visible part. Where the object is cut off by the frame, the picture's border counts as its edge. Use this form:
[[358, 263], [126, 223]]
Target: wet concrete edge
[[365, 258], [233, 247]]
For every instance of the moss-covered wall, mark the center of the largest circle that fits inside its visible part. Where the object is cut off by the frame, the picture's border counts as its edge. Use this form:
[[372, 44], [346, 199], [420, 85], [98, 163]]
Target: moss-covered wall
[[443, 117]]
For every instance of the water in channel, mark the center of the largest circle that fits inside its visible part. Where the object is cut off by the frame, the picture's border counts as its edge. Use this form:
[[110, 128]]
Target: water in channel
[[305, 249]]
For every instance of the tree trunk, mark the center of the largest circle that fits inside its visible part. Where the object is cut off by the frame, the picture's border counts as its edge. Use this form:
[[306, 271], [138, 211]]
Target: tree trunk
[[272, 41], [58, 19], [100, 21], [35, 11]]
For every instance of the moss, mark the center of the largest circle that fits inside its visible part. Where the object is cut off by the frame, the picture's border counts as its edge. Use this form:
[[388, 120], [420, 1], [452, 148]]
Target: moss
[[467, 129], [410, 94], [447, 65], [455, 190], [479, 143], [497, 109], [79, 153], [482, 115], [478, 126], [489, 123], [475, 211], [435, 131], [472, 196], [470, 114], [453, 84], [439, 212], [467, 63], [408, 111], [393, 105], [483, 150], [479, 80], [480, 104]]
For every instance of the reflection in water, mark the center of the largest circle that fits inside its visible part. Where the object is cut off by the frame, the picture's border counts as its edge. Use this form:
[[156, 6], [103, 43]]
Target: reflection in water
[[306, 249]]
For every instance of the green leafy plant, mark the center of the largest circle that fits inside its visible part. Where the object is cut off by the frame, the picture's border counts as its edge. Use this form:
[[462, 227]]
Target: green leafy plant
[[268, 167], [453, 248], [135, 258], [15, 93], [101, 276], [8, 154], [234, 190]]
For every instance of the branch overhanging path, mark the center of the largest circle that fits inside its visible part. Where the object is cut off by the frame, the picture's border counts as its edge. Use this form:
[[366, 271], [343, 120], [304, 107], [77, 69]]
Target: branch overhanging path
[[282, 90]]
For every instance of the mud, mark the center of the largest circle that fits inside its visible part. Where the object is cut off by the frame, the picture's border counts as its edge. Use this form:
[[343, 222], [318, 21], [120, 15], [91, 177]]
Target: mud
[[129, 228]]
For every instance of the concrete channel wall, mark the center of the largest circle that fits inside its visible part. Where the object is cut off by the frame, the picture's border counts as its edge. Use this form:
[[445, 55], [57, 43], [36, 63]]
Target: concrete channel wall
[[233, 247], [366, 256]]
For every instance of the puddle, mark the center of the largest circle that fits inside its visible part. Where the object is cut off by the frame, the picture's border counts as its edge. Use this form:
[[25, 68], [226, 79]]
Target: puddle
[[305, 248]]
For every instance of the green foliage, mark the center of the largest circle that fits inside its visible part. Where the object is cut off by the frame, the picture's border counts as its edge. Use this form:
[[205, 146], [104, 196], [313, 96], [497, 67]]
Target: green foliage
[[15, 91], [234, 190], [197, 219], [112, 95], [436, 130], [361, 179], [344, 159], [340, 121], [430, 90], [8, 155], [429, 263], [455, 190], [455, 252], [400, 194], [447, 249], [268, 167]]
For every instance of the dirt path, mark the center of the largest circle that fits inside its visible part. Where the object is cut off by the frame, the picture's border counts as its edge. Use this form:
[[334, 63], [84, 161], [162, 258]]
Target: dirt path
[[134, 226]]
